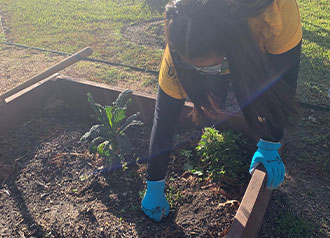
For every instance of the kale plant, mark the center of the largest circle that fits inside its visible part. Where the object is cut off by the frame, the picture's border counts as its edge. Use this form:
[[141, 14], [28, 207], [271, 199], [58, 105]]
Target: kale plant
[[224, 156], [108, 138]]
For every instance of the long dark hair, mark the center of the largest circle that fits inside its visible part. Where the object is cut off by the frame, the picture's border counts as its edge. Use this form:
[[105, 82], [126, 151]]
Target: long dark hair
[[199, 28]]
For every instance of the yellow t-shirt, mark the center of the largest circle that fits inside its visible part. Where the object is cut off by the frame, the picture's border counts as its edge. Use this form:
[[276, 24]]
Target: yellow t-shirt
[[276, 30]]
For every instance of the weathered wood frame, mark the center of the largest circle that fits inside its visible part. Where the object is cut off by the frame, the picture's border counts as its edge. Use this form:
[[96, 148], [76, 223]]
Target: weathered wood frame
[[18, 107]]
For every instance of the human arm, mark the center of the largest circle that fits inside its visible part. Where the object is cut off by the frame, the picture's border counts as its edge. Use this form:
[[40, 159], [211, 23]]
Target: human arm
[[167, 112], [288, 64]]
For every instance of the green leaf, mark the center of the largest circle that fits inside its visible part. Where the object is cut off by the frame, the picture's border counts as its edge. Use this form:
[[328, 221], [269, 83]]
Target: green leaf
[[132, 124], [103, 113], [103, 148], [94, 144], [123, 99], [98, 110], [108, 110], [94, 132], [129, 120], [94, 108], [119, 116], [197, 172], [124, 165]]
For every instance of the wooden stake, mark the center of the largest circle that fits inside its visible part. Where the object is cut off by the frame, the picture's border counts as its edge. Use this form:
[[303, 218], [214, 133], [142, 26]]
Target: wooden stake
[[50, 71]]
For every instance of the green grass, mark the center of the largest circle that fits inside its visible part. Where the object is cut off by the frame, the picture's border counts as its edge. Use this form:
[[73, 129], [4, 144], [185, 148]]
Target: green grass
[[2, 33], [293, 226], [72, 25], [315, 65]]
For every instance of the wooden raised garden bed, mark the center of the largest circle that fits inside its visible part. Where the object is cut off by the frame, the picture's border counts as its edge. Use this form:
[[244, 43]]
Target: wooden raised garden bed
[[42, 160]]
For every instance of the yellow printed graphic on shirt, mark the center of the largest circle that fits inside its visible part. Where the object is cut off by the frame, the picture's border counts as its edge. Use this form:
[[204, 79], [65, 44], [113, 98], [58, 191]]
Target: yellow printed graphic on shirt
[[168, 80]]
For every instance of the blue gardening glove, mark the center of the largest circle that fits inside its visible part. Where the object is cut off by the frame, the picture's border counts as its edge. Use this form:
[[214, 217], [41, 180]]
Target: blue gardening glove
[[267, 154], [154, 203]]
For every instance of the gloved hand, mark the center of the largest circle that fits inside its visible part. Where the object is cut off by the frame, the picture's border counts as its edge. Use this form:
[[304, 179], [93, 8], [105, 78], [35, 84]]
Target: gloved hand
[[267, 154], [154, 203]]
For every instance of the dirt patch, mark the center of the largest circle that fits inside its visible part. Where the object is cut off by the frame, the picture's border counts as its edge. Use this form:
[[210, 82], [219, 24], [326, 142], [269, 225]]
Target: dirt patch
[[42, 193], [150, 34]]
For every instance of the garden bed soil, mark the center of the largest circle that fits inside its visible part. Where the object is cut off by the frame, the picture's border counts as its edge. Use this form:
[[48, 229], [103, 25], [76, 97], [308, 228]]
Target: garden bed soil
[[42, 192]]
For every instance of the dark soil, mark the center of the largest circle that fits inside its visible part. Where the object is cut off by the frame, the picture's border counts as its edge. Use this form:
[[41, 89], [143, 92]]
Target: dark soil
[[42, 193]]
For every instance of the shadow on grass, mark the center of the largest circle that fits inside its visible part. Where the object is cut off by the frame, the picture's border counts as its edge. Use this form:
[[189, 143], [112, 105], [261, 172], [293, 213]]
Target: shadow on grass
[[313, 82], [316, 26], [313, 36]]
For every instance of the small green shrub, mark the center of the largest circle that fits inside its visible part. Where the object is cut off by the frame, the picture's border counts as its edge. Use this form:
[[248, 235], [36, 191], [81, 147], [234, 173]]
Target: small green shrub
[[222, 156], [108, 138]]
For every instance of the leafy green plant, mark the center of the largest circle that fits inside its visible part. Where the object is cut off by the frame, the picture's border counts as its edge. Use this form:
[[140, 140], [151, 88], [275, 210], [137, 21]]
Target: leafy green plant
[[108, 138], [223, 156]]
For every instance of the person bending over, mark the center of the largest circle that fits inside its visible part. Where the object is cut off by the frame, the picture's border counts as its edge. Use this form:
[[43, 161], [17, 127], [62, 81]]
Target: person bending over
[[253, 44]]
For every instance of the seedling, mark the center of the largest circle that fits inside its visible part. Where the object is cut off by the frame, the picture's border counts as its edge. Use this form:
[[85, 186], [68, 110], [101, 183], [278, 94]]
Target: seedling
[[108, 138]]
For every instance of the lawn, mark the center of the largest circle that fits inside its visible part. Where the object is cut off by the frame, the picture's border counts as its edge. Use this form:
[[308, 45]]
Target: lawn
[[315, 65], [71, 25]]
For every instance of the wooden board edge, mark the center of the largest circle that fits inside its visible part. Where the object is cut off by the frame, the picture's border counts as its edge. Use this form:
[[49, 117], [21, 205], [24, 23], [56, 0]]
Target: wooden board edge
[[249, 216]]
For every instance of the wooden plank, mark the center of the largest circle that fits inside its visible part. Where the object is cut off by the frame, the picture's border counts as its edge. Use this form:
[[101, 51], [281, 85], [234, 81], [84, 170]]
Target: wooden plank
[[48, 72], [250, 214], [74, 92]]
